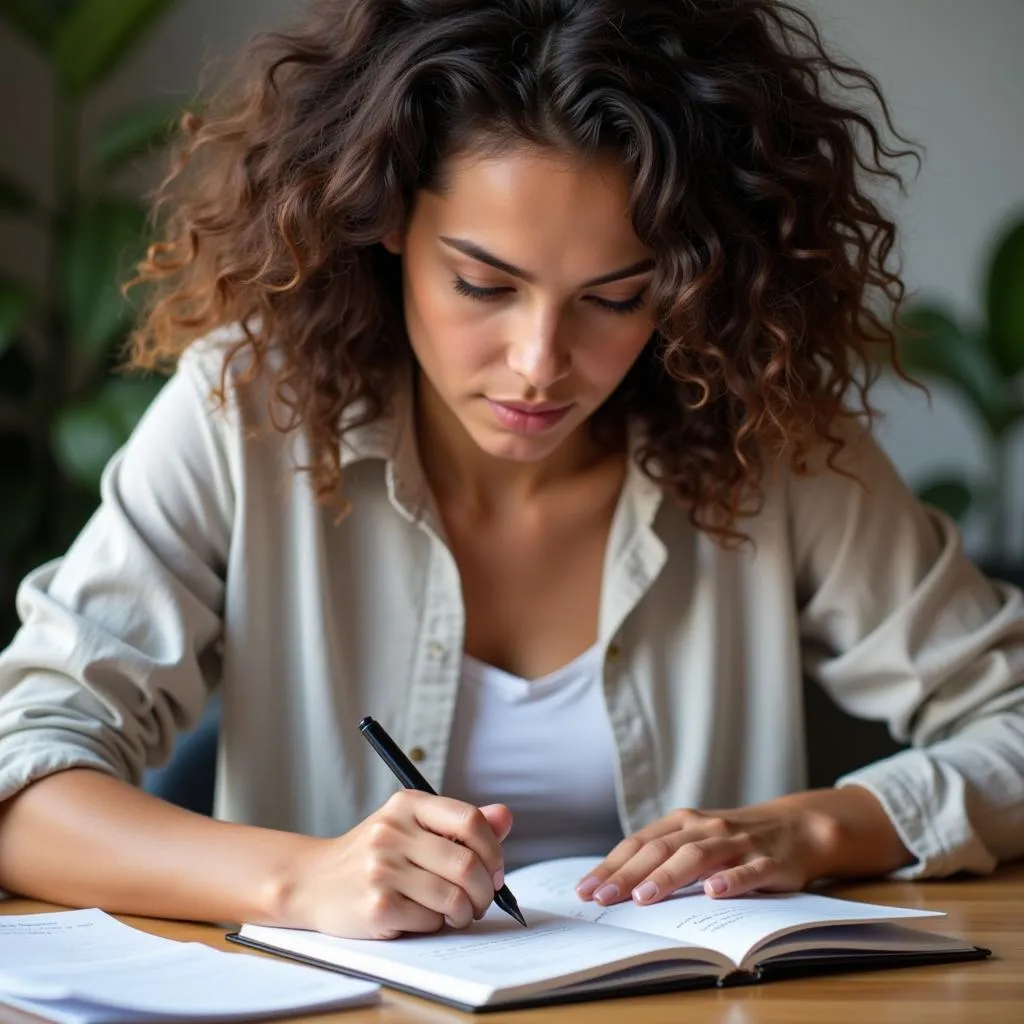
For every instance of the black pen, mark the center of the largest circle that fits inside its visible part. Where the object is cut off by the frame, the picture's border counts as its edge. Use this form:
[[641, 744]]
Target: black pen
[[407, 774]]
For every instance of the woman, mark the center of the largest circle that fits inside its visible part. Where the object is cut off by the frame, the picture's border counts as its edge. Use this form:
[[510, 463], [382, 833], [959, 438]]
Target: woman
[[527, 418]]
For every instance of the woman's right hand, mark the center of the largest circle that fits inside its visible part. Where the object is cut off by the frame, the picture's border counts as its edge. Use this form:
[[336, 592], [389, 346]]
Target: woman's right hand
[[418, 862]]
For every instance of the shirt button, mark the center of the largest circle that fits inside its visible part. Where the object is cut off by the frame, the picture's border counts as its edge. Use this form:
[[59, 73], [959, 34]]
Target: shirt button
[[417, 754], [435, 649], [614, 651]]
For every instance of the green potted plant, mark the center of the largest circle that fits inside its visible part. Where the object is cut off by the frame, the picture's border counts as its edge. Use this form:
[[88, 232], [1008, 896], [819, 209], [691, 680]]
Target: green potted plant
[[983, 363], [63, 410]]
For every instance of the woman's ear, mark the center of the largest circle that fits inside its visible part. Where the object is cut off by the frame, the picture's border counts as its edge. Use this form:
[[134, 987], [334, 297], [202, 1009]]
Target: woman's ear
[[393, 242]]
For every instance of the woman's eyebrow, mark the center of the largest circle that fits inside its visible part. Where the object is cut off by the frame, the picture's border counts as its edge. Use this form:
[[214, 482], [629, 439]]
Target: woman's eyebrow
[[477, 252]]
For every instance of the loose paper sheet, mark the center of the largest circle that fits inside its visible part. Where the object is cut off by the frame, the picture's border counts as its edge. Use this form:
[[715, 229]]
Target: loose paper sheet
[[83, 965]]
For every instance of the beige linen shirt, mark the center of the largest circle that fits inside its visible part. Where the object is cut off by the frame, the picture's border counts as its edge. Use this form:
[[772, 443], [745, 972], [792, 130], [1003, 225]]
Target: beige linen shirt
[[210, 563]]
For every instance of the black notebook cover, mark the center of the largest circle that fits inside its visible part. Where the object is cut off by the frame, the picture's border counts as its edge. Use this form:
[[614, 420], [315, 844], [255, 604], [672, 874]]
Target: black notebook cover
[[841, 963]]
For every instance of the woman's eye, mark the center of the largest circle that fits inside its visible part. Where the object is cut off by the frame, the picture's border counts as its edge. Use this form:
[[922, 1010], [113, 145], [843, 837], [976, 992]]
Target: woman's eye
[[625, 307], [474, 292]]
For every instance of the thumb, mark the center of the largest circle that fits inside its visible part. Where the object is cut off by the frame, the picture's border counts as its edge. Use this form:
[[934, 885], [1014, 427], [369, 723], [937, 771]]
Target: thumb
[[499, 817]]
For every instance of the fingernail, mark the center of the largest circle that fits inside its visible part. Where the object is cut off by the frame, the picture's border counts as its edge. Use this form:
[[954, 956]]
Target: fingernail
[[499, 879], [716, 885], [645, 892], [588, 885], [607, 894]]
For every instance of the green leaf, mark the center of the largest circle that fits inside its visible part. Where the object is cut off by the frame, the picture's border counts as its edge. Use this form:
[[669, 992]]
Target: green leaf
[[28, 17], [87, 435], [16, 304], [128, 398], [133, 133], [14, 198], [83, 440], [18, 377], [931, 343], [61, 8], [98, 34], [1005, 301], [951, 495], [19, 509], [103, 244]]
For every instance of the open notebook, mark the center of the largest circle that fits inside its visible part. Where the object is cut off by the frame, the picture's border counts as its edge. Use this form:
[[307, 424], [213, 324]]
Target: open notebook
[[574, 950]]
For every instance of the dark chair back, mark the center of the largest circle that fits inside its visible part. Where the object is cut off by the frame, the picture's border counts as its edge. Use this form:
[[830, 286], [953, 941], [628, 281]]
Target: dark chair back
[[838, 743]]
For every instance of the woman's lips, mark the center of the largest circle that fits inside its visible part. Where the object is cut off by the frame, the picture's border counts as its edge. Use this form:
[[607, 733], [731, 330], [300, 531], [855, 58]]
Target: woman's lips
[[524, 418]]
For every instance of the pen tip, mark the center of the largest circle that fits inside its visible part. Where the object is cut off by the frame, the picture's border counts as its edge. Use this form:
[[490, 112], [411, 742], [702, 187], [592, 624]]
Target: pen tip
[[504, 899]]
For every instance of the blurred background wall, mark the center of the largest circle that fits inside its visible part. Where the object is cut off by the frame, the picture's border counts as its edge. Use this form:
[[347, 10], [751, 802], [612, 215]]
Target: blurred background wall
[[951, 70]]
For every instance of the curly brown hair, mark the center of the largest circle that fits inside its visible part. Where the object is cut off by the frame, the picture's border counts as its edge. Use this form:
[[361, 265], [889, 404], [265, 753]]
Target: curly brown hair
[[746, 174]]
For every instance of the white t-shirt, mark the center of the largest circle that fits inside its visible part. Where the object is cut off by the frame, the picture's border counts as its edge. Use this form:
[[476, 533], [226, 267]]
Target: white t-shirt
[[543, 747]]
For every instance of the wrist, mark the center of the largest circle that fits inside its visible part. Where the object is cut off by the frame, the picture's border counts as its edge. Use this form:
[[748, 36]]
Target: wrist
[[277, 895], [850, 833]]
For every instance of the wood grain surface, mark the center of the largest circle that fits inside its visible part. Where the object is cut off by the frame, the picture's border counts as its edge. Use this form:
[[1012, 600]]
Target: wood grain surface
[[986, 911]]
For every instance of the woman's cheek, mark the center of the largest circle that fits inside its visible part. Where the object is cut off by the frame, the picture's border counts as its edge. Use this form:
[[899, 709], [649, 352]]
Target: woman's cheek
[[476, 345]]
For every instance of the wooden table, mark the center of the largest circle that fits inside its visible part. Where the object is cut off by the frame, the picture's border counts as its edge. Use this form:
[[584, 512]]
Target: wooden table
[[987, 911]]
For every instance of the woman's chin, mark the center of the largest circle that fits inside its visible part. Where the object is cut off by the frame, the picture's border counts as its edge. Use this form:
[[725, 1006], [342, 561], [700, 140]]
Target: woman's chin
[[519, 449]]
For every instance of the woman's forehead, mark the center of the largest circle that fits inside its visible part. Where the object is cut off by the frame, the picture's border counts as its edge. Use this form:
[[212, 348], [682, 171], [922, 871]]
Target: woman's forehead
[[537, 202]]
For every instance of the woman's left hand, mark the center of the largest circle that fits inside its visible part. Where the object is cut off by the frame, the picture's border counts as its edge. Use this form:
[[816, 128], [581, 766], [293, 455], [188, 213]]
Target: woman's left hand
[[778, 846]]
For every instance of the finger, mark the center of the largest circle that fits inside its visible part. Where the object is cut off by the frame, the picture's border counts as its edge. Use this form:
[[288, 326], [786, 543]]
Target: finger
[[757, 873], [691, 862], [666, 864], [457, 820], [629, 847], [457, 865], [467, 825], [499, 817], [644, 859], [391, 913], [444, 898]]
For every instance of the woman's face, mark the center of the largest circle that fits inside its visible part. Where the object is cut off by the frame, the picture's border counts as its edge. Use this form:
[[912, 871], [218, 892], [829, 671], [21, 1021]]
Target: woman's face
[[525, 296]]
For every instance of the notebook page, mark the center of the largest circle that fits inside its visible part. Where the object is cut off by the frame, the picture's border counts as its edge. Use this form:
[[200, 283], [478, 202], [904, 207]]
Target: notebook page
[[493, 954], [737, 927], [733, 927], [551, 886], [866, 938]]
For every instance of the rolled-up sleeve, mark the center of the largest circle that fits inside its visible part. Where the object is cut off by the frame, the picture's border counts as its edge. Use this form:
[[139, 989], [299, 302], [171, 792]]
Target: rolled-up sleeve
[[118, 645], [899, 626]]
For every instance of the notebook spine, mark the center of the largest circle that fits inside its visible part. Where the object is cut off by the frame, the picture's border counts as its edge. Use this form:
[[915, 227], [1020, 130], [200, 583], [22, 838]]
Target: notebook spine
[[734, 979]]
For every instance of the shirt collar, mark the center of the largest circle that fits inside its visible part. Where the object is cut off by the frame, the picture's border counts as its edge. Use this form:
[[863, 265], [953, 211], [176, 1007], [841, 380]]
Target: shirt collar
[[384, 436]]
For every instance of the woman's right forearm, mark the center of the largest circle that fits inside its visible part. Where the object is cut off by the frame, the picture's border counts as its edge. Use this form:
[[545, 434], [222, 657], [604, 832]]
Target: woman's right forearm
[[84, 839]]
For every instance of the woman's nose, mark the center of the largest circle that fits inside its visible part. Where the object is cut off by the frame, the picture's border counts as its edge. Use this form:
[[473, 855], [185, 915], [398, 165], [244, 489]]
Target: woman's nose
[[539, 353]]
